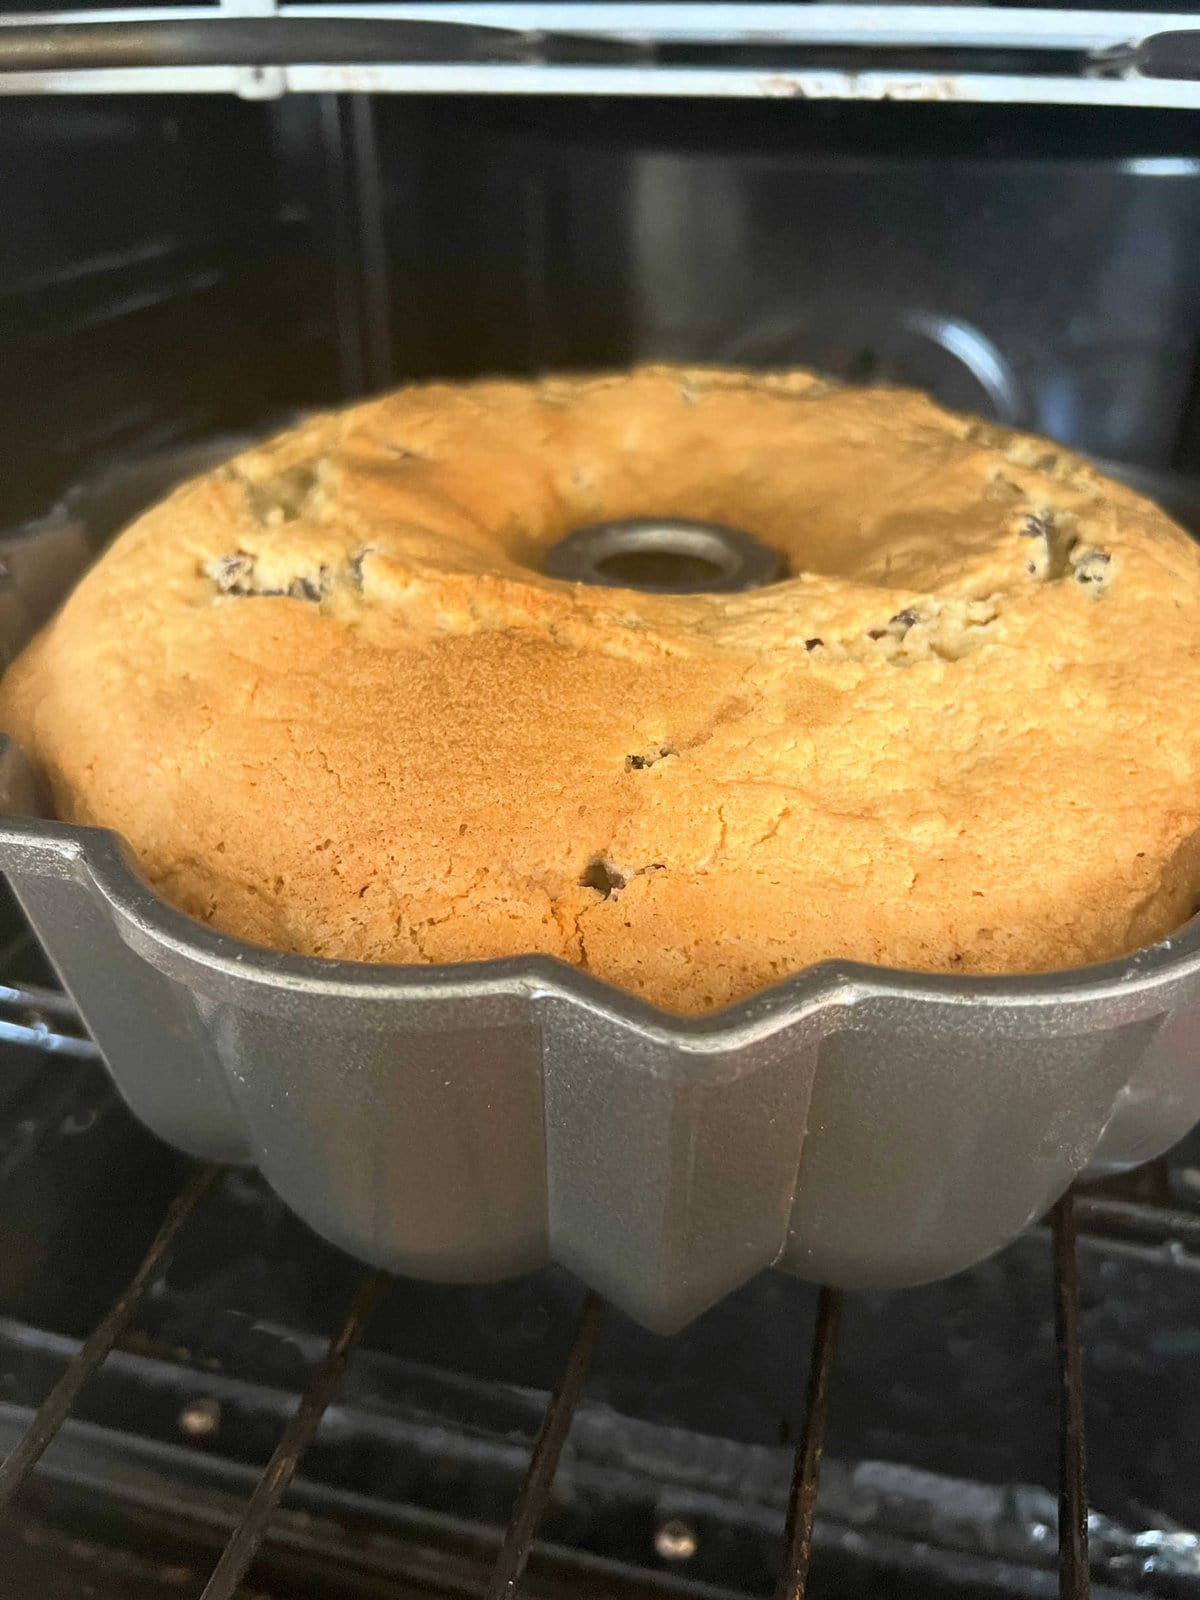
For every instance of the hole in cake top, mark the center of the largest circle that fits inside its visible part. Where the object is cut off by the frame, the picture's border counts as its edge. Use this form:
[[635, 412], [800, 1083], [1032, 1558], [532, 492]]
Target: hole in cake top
[[659, 569], [664, 555]]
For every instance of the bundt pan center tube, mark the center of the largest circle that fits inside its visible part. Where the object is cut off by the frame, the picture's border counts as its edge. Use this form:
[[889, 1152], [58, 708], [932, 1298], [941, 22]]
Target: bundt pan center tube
[[855, 1125]]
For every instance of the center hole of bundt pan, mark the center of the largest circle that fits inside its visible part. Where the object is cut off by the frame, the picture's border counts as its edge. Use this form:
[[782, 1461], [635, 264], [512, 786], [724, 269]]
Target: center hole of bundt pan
[[664, 555]]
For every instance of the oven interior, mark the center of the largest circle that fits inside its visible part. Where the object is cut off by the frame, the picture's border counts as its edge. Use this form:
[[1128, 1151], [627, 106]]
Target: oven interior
[[172, 266], [178, 266]]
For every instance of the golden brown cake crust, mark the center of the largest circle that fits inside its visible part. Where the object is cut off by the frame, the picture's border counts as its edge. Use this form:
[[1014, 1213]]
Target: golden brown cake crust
[[331, 703]]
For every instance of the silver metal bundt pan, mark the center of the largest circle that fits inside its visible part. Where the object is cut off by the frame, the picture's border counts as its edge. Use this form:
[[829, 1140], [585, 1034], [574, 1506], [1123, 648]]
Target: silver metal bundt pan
[[853, 1125]]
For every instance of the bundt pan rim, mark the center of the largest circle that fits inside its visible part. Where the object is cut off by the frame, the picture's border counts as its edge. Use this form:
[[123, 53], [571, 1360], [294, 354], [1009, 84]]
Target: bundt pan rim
[[109, 863]]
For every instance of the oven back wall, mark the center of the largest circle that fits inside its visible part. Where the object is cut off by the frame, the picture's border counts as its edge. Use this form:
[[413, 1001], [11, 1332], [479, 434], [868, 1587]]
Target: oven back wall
[[1039, 267], [173, 266]]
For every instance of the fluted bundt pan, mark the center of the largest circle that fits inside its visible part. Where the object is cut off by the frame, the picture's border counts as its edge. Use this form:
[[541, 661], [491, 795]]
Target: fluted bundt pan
[[854, 1125]]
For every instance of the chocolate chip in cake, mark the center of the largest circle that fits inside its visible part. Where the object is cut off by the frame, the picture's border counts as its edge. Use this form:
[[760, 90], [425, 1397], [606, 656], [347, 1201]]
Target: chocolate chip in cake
[[237, 574], [897, 626], [1054, 540], [637, 763], [1093, 568], [311, 588], [602, 876], [813, 644], [356, 565], [233, 574]]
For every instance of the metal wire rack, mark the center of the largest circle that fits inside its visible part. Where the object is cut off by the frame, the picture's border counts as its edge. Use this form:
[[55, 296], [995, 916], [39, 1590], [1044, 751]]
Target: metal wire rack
[[26, 1009]]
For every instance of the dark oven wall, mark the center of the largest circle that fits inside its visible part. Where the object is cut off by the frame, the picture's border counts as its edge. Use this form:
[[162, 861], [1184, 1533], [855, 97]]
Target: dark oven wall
[[165, 272], [174, 266], [1041, 267]]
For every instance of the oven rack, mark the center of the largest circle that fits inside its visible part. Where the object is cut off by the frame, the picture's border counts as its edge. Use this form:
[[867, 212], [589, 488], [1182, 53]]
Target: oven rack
[[42, 1017], [535, 1491]]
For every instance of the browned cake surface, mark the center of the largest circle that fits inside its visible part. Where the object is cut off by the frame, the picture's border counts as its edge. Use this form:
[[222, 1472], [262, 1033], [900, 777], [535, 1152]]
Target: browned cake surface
[[329, 700]]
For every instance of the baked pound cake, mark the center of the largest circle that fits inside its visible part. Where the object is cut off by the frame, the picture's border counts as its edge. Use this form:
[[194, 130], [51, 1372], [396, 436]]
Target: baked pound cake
[[329, 699]]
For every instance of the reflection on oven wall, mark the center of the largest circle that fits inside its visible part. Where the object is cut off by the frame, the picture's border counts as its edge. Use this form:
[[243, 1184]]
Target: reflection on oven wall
[[172, 267], [1035, 283], [1047, 290], [1046, 295]]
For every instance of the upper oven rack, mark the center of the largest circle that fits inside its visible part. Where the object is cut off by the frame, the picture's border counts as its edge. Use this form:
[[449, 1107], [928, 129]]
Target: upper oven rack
[[262, 49]]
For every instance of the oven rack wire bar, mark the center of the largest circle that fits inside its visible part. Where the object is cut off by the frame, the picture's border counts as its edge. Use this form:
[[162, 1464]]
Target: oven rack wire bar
[[1074, 1579], [1073, 1575], [534, 1494], [54, 1409], [297, 1436], [42, 1019], [803, 1502]]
